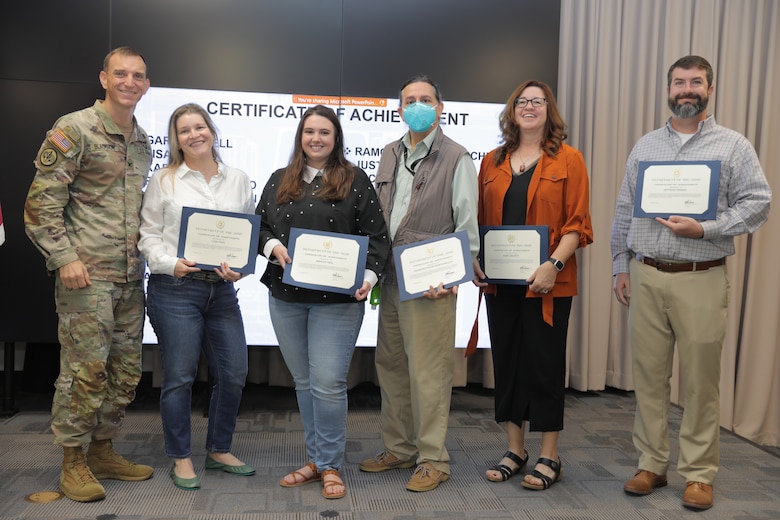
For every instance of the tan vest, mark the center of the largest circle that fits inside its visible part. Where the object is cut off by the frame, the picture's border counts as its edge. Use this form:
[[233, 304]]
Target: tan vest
[[430, 207]]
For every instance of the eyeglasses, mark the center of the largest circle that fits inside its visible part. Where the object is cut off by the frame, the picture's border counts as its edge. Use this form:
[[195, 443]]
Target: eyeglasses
[[536, 102]]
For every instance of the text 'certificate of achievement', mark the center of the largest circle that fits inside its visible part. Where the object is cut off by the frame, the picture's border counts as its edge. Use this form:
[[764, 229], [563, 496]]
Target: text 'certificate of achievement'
[[325, 261], [685, 188], [209, 237], [444, 259], [510, 254]]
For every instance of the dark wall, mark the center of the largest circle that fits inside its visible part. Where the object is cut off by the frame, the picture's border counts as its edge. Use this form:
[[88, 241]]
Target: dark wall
[[51, 54]]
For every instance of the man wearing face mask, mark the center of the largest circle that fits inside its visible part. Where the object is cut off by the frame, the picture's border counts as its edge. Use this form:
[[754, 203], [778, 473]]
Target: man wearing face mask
[[427, 186]]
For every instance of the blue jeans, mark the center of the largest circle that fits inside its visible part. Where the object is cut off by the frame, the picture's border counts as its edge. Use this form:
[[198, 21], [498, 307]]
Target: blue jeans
[[189, 315], [317, 341]]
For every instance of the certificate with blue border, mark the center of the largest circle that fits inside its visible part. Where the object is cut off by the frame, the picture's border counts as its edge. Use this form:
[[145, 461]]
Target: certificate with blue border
[[209, 237], [510, 254], [326, 261], [685, 188], [445, 259]]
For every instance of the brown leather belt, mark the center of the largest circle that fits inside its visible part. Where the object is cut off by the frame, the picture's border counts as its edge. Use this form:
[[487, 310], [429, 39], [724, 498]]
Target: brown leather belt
[[670, 267]]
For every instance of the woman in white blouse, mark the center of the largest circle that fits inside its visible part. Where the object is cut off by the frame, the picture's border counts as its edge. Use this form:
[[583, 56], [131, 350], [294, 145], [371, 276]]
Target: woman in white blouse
[[191, 309]]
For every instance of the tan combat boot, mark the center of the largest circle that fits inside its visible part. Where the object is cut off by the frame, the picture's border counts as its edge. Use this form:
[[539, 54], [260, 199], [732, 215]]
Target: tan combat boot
[[76, 480], [106, 463]]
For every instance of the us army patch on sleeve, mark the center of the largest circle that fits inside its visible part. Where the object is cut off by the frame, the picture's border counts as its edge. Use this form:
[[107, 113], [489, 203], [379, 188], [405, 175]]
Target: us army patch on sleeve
[[61, 141], [48, 157]]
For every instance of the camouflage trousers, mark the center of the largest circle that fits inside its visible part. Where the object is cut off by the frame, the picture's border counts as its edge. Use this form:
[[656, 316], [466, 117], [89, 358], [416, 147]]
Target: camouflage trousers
[[100, 333]]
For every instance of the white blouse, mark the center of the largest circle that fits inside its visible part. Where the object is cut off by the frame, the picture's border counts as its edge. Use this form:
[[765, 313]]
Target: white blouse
[[229, 190]]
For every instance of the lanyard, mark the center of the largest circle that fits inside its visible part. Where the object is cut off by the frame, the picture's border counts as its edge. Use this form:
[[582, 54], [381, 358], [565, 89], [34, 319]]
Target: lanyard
[[413, 169]]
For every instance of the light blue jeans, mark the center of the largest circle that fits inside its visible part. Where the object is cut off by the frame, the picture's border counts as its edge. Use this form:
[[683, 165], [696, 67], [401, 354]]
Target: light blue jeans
[[317, 341], [189, 315]]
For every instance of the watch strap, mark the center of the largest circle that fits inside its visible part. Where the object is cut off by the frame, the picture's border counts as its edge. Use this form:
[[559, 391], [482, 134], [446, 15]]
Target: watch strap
[[558, 264]]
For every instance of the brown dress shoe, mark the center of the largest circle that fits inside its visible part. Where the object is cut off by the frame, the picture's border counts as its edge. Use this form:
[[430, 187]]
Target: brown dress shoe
[[697, 495], [644, 482]]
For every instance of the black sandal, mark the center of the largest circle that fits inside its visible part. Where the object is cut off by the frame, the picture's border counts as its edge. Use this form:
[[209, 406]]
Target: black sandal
[[505, 471], [546, 480]]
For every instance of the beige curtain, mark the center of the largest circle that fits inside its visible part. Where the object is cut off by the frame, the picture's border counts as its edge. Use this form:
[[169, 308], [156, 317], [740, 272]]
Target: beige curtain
[[614, 55]]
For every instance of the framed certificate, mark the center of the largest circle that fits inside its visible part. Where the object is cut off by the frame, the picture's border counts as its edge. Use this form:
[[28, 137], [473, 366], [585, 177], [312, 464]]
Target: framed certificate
[[444, 259], [209, 237], [326, 261], [510, 254], [685, 188]]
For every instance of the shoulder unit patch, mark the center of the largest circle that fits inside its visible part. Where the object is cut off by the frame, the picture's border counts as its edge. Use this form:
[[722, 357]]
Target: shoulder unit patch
[[48, 156]]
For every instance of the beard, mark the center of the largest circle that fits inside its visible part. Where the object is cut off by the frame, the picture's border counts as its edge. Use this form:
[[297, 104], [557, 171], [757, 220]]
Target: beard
[[688, 110]]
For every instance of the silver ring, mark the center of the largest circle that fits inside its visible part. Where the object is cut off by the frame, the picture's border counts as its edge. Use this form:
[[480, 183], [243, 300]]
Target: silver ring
[[545, 291]]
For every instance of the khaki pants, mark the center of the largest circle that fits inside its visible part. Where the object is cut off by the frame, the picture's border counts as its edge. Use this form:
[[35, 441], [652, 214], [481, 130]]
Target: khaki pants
[[414, 357], [688, 309]]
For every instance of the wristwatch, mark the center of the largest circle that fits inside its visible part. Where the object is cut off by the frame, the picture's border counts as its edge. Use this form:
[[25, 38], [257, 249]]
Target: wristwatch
[[559, 265]]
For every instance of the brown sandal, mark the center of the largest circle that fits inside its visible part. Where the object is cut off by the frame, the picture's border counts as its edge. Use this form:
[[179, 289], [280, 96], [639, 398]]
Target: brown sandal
[[305, 480], [333, 482]]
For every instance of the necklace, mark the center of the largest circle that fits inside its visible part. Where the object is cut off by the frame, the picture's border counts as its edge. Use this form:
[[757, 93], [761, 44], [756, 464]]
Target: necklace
[[525, 162]]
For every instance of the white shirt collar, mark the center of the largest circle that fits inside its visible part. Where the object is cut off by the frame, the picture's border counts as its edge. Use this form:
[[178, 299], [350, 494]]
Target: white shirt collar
[[183, 169], [310, 173]]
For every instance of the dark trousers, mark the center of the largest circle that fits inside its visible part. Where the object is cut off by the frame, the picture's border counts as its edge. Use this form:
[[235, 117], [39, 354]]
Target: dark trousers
[[529, 358]]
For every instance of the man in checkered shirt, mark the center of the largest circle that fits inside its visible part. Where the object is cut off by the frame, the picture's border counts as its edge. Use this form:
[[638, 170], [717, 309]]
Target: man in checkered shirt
[[671, 269]]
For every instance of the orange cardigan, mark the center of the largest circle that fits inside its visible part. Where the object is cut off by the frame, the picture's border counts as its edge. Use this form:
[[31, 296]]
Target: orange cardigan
[[558, 197]]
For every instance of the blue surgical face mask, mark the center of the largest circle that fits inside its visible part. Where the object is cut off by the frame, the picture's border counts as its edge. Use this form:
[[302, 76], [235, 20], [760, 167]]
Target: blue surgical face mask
[[419, 116]]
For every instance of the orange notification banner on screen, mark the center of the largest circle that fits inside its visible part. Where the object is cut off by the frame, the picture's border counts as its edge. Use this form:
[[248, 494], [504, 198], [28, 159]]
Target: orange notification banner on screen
[[306, 99]]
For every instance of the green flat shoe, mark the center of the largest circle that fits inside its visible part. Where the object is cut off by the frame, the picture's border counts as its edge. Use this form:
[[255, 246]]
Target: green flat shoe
[[188, 484], [243, 470]]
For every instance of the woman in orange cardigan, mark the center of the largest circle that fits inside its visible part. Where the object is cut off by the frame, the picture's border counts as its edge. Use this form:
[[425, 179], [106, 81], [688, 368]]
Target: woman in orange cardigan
[[533, 179]]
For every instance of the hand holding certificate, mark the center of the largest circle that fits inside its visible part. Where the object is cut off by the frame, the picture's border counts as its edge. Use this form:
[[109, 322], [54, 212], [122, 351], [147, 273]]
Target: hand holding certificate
[[684, 188], [209, 237], [326, 261], [510, 254], [441, 260]]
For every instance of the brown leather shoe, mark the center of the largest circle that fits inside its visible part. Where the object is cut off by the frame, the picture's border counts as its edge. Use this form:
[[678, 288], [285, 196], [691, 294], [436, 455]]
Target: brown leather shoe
[[697, 495], [426, 478], [383, 462], [644, 482]]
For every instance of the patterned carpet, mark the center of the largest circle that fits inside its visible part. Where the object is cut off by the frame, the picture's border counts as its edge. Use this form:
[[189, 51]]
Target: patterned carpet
[[596, 451]]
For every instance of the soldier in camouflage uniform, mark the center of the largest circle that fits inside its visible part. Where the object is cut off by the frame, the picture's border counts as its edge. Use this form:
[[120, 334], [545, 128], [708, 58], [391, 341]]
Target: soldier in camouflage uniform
[[82, 213]]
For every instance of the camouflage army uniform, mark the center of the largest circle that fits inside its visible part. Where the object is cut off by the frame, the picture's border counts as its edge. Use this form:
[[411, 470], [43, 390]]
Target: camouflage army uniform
[[84, 203]]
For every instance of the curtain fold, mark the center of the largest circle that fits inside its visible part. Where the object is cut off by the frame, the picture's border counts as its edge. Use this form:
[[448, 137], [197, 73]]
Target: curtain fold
[[614, 55]]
